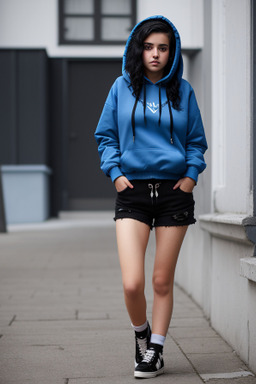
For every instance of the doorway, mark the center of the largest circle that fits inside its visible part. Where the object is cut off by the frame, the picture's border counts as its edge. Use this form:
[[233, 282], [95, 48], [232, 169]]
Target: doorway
[[88, 85]]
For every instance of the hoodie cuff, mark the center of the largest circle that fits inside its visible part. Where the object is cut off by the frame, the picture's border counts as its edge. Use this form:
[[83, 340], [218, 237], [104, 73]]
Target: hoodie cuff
[[114, 173], [192, 172]]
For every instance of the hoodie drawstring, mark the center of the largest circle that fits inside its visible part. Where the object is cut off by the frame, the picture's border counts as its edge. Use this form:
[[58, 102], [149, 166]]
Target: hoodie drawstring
[[144, 103], [160, 105], [171, 119], [133, 117], [160, 112]]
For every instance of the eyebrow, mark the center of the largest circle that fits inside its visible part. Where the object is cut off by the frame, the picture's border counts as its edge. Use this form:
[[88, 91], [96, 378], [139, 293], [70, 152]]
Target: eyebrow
[[160, 45]]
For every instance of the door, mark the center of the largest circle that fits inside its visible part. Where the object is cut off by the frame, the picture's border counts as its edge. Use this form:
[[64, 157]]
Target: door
[[88, 85]]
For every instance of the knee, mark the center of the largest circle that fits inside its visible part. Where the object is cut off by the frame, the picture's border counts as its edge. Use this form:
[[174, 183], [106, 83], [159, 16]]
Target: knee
[[133, 289], [161, 286]]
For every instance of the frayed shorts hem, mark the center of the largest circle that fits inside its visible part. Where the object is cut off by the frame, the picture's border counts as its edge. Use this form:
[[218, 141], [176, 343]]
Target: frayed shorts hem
[[155, 225]]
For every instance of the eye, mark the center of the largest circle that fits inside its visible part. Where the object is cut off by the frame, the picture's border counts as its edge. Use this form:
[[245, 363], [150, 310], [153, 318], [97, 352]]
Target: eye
[[163, 49], [147, 47]]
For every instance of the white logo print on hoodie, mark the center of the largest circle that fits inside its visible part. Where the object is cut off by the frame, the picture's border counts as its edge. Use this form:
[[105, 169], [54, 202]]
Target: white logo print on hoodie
[[153, 107]]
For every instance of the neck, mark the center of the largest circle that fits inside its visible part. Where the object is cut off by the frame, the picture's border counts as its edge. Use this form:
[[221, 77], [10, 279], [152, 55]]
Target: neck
[[154, 77]]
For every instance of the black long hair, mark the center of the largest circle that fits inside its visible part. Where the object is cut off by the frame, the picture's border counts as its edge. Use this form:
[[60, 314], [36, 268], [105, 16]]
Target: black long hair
[[134, 64]]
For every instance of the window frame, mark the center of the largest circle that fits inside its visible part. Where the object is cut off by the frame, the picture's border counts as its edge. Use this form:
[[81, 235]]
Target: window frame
[[97, 17]]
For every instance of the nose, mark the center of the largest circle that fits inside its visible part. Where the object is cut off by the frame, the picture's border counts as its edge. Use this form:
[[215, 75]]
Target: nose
[[155, 53]]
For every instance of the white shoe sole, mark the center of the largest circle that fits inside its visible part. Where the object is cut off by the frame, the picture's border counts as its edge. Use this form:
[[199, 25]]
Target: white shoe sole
[[148, 375]]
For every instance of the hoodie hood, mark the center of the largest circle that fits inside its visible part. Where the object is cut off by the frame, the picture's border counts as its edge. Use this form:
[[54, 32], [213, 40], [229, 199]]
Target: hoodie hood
[[177, 66]]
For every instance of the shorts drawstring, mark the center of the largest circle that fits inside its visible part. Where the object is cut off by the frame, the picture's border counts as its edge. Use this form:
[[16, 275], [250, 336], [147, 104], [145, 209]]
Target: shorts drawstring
[[153, 188], [156, 188]]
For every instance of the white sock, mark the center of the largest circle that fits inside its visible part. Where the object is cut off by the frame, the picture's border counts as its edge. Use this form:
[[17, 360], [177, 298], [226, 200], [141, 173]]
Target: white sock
[[157, 339], [140, 328]]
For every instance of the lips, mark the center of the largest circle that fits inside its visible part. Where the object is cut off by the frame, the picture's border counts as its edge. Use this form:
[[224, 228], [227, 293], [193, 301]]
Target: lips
[[154, 62]]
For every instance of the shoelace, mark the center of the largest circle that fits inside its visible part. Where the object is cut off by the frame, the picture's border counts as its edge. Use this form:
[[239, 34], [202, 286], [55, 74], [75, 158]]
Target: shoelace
[[149, 355], [142, 344]]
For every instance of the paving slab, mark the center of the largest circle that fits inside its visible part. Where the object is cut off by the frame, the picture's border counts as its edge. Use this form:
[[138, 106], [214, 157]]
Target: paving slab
[[243, 380], [32, 381], [189, 322], [226, 376], [163, 379], [204, 345], [192, 332], [216, 362]]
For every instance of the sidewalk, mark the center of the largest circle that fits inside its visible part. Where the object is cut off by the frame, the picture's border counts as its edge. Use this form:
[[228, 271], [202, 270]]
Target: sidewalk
[[63, 319]]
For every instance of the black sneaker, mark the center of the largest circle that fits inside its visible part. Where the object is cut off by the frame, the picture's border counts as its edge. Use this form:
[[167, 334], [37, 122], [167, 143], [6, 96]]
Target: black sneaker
[[142, 340], [152, 364]]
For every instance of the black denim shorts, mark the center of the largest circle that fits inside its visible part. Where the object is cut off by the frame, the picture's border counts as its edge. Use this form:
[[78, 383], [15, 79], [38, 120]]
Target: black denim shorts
[[155, 203]]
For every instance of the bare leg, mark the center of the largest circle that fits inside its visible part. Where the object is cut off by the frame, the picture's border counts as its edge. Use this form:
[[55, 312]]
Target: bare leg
[[132, 240], [168, 244]]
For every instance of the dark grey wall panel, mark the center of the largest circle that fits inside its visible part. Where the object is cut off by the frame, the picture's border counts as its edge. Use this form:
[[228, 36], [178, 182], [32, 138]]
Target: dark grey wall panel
[[58, 99], [8, 126], [32, 107], [24, 107]]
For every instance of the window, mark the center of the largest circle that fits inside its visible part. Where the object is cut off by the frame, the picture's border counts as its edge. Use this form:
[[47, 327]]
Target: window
[[96, 21]]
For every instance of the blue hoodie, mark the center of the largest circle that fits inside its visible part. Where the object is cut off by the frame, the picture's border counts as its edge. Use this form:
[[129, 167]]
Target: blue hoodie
[[156, 152]]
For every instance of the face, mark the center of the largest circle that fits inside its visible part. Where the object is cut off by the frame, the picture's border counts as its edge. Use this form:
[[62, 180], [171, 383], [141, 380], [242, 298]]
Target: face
[[155, 55]]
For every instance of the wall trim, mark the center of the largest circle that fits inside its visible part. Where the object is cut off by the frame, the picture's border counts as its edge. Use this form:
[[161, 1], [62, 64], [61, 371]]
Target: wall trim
[[248, 268], [226, 226], [26, 168]]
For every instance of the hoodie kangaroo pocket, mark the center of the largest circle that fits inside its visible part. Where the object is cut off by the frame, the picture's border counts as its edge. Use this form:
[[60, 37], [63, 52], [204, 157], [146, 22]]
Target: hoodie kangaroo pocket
[[153, 159]]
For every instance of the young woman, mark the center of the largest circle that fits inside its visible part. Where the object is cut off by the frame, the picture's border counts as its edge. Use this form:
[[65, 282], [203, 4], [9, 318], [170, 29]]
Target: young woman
[[151, 142]]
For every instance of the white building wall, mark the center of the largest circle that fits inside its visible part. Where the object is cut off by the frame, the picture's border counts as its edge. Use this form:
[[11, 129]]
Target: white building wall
[[186, 15], [28, 23], [231, 128], [34, 24]]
